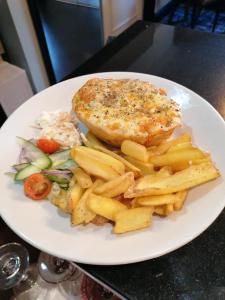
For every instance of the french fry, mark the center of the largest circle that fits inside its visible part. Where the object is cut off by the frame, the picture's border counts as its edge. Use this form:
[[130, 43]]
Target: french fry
[[185, 164], [61, 200], [182, 180], [160, 210], [163, 204], [144, 181], [81, 213], [157, 200], [132, 219], [168, 209], [93, 140], [183, 138], [164, 172], [159, 150], [129, 188], [179, 166], [117, 151], [108, 160], [125, 201], [82, 178], [115, 186], [146, 168], [164, 147], [134, 150], [176, 147], [92, 165], [201, 160], [99, 220], [103, 206], [75, 194], [119, 198], [128, 165], [134, 203], [174, 157], [181, 198], [164, 210]]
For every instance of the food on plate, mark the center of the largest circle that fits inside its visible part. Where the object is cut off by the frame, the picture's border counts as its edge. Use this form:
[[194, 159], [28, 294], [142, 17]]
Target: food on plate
[[60, 199], [129, 200], [149, 174], [59, 126], [127, 164], [91, 141], [74, 196], [47, 145], [82, 178], [157, 200], [96, 163], [175, 157], [81, 213], [115, 187], [166, 145], [99, 220], [127, 109], [37, 186], [135, 150], [132, 219], [181, 198], [145, 168], [45, 165], [32, 160], [182, 180], [104, 206]]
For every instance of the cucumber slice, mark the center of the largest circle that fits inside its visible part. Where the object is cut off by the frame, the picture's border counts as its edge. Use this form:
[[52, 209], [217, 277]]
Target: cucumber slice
[[25, 172], [19, 167], [58, 179], [67, 165], [42, 163], [59, 158], [37, 157]]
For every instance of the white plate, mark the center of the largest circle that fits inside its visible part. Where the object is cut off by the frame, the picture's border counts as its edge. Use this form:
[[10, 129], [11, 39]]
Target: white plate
[[40, 224]]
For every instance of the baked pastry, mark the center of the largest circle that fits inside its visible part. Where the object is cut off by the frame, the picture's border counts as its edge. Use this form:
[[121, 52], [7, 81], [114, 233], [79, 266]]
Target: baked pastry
[[115, 110]]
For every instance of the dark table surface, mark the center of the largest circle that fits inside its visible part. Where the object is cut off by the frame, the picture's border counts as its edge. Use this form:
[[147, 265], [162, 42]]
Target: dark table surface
[[196, 60]]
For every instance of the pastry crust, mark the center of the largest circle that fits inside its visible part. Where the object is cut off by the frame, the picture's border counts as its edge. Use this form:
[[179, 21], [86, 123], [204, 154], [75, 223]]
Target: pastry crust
[[115, 110]]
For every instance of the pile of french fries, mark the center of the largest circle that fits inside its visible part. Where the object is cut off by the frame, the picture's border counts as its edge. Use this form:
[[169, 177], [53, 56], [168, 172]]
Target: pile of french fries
[[127, 186]]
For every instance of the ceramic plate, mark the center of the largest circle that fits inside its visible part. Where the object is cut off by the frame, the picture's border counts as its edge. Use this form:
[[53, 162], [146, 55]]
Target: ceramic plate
[[43, 226]]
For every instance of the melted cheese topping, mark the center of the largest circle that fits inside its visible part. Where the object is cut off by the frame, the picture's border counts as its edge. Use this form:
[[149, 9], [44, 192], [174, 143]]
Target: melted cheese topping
[[129, 106]]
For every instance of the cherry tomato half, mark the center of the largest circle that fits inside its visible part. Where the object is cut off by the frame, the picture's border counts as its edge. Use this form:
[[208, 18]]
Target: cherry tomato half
[[37, 186], [48, 146]]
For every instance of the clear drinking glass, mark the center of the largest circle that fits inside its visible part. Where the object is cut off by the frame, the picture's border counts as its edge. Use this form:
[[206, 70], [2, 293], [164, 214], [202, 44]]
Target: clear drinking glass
[[17, 273], [57, 270], [51, 278]]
